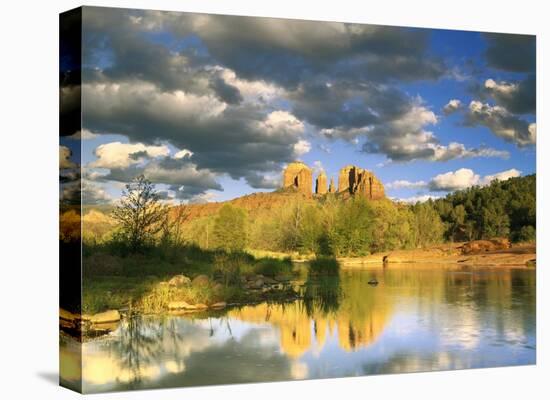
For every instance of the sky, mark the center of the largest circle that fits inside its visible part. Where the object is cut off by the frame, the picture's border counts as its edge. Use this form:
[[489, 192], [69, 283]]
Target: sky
[[212, 107]]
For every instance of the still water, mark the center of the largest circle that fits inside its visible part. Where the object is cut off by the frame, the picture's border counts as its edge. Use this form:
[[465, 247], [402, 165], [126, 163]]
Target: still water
[[417, 319]]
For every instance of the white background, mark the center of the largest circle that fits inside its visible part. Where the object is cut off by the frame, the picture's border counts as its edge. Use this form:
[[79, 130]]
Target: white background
[[29, 198]]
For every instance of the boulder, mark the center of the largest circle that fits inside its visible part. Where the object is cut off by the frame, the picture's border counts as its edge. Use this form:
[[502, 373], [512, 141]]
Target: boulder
[[257, 284], [479, 246], [201, 280], [179, 280], [180, 305], [200, 306], [105, 317], [219, 305]]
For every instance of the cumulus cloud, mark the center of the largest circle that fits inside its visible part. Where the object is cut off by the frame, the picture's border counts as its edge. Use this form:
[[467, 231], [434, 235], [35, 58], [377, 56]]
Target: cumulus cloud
[[452, 106], [83, 134], [302, 147], [457, 180], [502, 123], [65, 161], [417, 199], [84, 192], [404, 184], [517, 97], [464, 178], [501, 176], [122, 155]]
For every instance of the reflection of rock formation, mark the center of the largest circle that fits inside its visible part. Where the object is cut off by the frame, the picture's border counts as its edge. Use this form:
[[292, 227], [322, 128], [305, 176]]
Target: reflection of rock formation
[[321, 184], [352, 180], [358, 325], [298, 175]]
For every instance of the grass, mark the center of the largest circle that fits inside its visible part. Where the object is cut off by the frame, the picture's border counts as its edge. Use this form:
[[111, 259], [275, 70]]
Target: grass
[[138, 281], [324, 266]]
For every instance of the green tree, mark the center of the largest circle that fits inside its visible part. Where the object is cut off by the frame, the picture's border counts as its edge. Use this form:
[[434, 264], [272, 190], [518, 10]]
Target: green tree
[[352, 231], [140, 214], [429, 227], [230, 228]]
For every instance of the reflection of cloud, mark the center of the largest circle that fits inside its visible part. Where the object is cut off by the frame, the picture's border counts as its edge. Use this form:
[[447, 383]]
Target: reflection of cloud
[[174, 367], [298, 370]]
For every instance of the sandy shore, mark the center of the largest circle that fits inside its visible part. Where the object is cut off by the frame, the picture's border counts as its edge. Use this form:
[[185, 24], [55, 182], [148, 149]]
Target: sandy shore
[[517, 255]]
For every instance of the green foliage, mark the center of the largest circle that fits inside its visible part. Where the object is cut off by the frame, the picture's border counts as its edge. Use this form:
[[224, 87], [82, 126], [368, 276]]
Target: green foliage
[[429, 227], [230, 228], [502, 209], [140, 214], [272, 267], [352, 232]]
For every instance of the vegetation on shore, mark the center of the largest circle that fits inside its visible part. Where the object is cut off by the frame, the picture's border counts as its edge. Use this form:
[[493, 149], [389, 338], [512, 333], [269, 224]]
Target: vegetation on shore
[[143, 243]]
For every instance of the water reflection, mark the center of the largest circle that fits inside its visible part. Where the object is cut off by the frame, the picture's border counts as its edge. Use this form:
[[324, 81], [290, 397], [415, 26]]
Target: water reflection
[[417, 319]]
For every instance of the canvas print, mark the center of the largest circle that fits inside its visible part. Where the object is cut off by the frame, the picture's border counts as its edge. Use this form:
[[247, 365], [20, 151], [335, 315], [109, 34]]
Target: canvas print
[[248, 199]]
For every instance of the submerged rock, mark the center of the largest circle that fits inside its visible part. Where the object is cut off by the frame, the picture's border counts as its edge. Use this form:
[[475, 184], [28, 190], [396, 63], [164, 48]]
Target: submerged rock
[[105, 317]]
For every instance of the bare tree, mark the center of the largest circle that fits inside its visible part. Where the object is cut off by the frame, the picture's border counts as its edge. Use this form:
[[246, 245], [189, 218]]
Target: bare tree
[[140, 213]]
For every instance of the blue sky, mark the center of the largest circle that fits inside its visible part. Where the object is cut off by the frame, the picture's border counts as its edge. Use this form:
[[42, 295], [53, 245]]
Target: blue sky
[[213, 107]]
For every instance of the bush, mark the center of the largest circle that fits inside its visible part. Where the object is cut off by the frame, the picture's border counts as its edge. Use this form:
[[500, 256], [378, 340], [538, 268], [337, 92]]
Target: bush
[[526, 234], [273, 266]]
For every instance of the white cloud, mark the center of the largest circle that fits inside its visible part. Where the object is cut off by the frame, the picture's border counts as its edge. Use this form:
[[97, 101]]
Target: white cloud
[[501, 176], [502, 123], [502, 88], [283, 123], [251, 90], [457, 180], [122, 155], [83, 134], [183, 153], [417, 199], [65, 161], [301, 147], [318, 167], [452, 106], [404, 184], [465, 178]]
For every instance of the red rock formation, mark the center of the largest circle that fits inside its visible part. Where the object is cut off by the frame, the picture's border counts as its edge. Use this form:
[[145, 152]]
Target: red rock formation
[[321, 184], [298, 175], [354, 180]]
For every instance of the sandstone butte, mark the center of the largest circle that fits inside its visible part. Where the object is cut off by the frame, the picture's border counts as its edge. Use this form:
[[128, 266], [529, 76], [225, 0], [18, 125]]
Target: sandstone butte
[[298, 183]]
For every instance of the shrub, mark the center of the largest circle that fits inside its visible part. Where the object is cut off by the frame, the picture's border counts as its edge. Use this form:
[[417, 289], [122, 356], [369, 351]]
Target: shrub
[[273, 266]]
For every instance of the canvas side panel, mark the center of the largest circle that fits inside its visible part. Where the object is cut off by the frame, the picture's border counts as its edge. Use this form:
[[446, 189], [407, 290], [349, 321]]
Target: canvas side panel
[[70, 192]]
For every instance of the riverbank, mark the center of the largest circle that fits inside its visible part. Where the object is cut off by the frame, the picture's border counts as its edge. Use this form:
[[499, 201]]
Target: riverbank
[[518, 255]]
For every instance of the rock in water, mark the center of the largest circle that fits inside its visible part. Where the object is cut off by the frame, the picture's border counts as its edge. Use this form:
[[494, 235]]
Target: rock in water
[[373, 282], [105, 317]]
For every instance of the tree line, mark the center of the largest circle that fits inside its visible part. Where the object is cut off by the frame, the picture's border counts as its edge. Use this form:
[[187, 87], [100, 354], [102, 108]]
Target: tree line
[[332, 226]]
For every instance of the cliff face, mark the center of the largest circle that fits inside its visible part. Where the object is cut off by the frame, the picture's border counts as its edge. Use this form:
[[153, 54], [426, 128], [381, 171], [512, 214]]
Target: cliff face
[[354, 180], [351, 180], [321, 184], [298, 175]]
